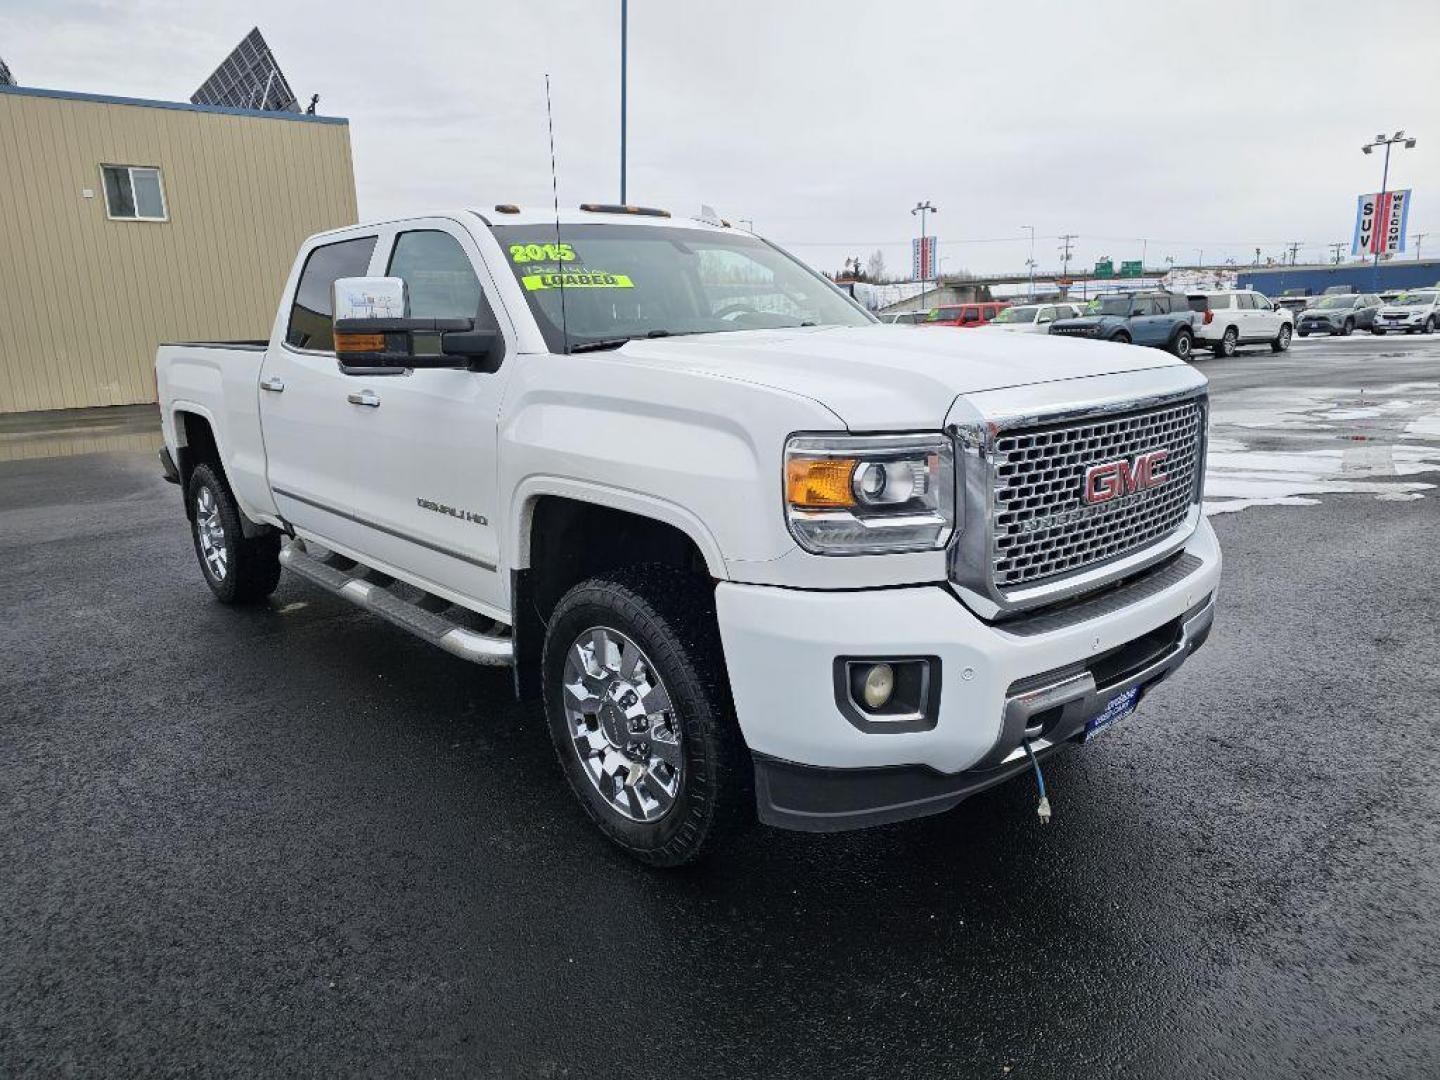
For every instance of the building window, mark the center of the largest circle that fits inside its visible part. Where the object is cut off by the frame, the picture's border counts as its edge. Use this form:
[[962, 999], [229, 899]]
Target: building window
[[134, 193]]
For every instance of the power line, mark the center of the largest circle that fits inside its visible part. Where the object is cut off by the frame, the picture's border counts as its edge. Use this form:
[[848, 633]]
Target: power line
[[1336, 249], [1294, 246]]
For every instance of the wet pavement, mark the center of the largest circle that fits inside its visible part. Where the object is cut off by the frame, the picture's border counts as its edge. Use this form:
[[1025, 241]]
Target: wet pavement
[[293, 840]]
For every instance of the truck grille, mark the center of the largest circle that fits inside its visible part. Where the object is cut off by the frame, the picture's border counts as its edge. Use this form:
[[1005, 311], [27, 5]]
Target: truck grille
[[1043, 528], [1074, 331]]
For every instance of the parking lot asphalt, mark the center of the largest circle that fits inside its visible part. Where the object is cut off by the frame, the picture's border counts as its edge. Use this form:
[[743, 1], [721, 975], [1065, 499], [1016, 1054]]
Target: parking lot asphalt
[[293, 841]]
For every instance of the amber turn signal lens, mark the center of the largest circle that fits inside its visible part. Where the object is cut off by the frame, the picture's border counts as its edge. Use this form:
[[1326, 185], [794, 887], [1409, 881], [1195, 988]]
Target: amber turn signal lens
[[359, 343], [819, 483]]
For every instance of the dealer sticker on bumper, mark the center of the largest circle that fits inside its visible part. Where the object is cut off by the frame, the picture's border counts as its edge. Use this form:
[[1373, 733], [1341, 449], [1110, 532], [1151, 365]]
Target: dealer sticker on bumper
[[1119, 708]]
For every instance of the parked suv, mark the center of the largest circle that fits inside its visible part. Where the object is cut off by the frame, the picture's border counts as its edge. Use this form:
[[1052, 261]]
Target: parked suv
[[1229, 318], [977, 314], [1341, 315], [1415, 312], [1031, 318], [1163, 320]]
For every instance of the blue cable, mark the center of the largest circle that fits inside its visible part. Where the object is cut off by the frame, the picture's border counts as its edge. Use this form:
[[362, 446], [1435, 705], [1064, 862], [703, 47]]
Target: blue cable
[[1043, 808]]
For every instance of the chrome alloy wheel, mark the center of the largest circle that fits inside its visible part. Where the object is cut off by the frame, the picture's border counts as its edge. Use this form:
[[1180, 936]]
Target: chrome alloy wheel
[[622, 724], [210, 531]]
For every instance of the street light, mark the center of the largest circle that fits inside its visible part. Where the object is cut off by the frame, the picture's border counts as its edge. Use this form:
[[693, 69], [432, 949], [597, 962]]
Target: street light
[[1031, 261], [1381, 140], [922, 209], [624, 64]]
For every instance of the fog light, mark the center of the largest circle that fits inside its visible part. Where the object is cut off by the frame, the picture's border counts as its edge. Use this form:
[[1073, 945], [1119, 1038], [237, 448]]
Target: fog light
[[879, 685]]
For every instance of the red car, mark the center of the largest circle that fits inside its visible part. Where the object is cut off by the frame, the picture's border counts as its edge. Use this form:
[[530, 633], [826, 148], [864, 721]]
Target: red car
[[977, 314]]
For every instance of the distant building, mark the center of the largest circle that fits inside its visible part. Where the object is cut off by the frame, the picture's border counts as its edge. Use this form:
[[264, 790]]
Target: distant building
[[1398, 273], [131, 222]]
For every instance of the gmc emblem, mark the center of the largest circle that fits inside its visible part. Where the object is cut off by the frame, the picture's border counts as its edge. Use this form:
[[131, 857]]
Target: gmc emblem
[[1114, 479]]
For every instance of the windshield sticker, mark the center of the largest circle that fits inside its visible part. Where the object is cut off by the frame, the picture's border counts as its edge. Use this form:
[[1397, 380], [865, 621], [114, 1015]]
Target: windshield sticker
[[585, 279], [531, 253]]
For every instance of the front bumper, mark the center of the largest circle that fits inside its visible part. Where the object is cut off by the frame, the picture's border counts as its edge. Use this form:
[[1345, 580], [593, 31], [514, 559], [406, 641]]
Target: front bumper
[[1318, 326], [1038, 678]]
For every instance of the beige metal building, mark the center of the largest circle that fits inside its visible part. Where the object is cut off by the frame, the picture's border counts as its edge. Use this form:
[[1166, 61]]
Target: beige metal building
[[124, 223]]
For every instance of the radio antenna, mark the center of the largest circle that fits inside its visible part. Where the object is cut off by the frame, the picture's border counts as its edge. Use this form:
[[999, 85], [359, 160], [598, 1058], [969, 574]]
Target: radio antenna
[[555, 196]]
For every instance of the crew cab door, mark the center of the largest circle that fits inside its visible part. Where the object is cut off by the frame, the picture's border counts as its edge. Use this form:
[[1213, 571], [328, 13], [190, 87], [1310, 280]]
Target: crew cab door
[[1147, 326], [303, 413], [1267, 320], [421, 444]]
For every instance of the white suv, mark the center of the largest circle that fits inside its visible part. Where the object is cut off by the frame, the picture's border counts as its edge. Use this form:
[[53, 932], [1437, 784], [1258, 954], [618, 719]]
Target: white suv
[[1416, 312], [1235, 317]]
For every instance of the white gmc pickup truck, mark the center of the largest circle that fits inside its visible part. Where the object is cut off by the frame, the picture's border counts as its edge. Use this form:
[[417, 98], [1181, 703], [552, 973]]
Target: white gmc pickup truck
[[756, 552]]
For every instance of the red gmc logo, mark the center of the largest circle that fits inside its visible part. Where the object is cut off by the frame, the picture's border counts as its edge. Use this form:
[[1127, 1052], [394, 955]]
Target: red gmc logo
[[1117, 478]]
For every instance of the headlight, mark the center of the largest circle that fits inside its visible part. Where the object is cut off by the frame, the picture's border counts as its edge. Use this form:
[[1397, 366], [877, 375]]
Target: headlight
[[864, 495]]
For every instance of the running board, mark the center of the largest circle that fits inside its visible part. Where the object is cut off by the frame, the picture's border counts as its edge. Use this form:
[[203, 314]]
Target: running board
[[435, 628]]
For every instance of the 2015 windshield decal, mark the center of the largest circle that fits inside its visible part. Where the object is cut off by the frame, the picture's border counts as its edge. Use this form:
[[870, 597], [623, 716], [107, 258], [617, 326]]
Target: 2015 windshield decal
[[534, 253], [584, 279]]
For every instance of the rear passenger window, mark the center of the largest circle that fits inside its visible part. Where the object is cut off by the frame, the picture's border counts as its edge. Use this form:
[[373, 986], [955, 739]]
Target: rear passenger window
[[1245, 302], [1218, 303], [1199, 303], [311, 313]]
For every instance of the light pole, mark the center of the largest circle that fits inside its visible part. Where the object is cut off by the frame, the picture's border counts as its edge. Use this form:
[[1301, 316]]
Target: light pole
[[624, 63], [1031, 261], [923, 208], [1381, 140], [1201, 253]]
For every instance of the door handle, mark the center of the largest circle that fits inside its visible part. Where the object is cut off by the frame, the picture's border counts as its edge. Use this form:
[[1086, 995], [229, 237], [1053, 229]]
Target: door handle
[[274, 384], [364, 397]]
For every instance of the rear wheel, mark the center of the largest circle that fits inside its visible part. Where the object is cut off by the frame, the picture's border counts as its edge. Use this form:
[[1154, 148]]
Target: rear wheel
[[238, 569], [639, 709], [1183, 345], [1282, 340], [1228, 341]]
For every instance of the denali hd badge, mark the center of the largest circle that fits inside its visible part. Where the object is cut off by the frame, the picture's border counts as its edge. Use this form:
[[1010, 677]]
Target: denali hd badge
[[1104, 483]]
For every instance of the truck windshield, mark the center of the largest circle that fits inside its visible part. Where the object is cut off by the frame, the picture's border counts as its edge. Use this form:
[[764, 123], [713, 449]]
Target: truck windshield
[[634, 281], [1017, 315]]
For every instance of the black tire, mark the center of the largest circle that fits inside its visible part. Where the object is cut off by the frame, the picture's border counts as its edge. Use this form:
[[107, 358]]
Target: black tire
[[1121, 336], [251, 564], [1348, 328], [1183, 345], [1228, 343], [1303, 333], [670, 615], [1282, 339], [1429, 327], [1377, 331]]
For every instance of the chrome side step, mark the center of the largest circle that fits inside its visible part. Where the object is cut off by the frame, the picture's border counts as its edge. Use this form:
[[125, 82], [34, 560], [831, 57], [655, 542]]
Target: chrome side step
[[478, 648]]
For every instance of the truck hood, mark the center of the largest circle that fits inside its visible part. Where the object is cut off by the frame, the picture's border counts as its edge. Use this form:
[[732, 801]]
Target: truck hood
[[885, 378]]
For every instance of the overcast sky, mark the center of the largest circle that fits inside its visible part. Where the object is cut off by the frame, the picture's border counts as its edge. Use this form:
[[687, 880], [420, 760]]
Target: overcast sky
[[1209, 126]]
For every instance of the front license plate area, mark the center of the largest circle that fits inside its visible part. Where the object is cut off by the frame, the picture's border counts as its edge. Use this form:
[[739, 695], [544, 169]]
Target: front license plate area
[[1117, 709]]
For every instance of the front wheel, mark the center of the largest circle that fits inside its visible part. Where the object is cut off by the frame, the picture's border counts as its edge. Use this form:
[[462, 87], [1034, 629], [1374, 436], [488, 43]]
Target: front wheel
[[1429, 325], [1120, 336], [1377, 331], [1348, 328], [639, 708], [1282, 340], [238, 569], [1183, 345], [1303, 333]]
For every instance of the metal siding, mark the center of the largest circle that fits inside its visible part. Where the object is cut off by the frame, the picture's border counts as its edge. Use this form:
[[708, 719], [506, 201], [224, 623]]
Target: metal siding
[[1395, 274], [84, 300]]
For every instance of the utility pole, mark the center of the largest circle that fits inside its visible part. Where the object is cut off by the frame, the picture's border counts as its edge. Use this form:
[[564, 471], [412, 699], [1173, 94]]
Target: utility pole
[[1144, 246], [1419, 239], [923, 208], [1336, 249], [1064, 249], [1294, 250], [1031, 261], [1201, 253], [624, 64], [1381, 140]]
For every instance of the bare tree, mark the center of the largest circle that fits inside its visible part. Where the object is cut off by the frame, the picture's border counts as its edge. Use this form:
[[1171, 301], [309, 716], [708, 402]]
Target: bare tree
[[875, 265]]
